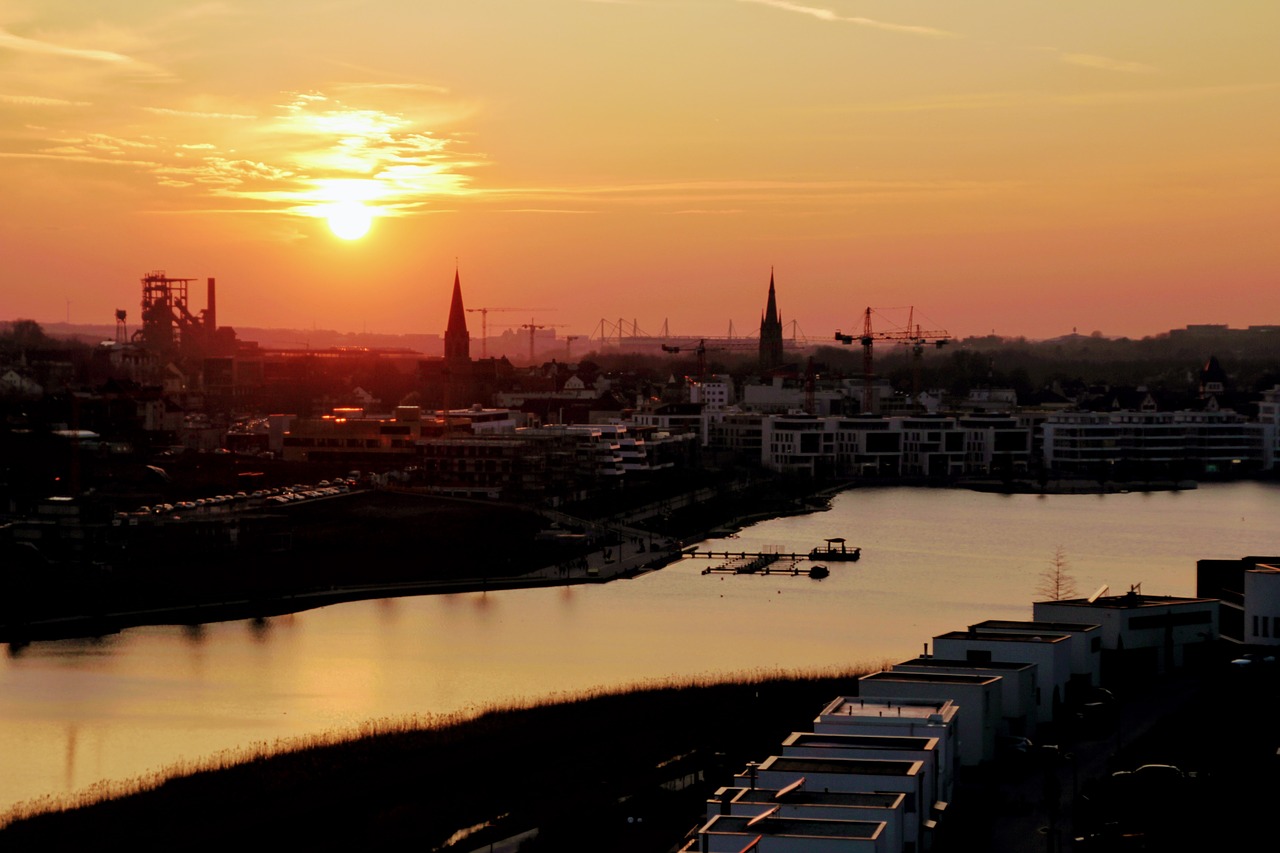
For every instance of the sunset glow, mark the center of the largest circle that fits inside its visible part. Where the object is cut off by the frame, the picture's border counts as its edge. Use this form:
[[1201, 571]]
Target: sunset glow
[[1025, 169], [349, 220]]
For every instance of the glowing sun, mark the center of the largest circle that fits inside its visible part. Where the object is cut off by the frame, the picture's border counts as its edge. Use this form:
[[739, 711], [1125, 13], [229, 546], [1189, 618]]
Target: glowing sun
[[349, 220]]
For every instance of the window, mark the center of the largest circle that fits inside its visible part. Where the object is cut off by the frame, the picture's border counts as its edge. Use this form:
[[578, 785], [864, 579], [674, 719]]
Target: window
[[978, 656]]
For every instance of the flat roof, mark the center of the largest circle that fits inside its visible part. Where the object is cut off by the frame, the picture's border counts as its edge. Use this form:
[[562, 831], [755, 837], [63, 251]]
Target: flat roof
[[802, 797], [1130, 601], [930, 677], [876, 707], [1003, 637], [852, 741], [959, 663], [845, 766], [801, 827], [1034, 625]]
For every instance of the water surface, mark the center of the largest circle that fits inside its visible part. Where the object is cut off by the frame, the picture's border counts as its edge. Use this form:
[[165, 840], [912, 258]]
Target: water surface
[[73, 713]]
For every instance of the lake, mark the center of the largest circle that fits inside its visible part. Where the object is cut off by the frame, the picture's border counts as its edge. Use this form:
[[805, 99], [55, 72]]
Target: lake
[[77, 712]]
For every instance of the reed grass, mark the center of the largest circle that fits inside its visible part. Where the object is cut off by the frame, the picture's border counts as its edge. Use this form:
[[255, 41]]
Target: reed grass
[[392, 775]]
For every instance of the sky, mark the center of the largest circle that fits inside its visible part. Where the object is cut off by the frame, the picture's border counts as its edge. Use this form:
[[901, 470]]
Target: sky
[[1023, 168]]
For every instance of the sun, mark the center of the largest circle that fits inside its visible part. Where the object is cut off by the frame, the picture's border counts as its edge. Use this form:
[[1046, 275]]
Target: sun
[[349, 220]]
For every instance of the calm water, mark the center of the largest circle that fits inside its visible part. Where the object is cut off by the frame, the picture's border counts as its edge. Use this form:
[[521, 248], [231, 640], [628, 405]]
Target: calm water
[[73, 713]]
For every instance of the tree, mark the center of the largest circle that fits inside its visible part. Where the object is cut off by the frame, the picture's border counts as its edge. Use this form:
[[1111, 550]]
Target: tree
[[26, 334], [1056, 581]]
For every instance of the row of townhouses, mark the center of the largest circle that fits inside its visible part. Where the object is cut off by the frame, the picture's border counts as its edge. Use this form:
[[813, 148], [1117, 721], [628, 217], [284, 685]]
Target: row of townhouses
[[879, 767], [496, 449]]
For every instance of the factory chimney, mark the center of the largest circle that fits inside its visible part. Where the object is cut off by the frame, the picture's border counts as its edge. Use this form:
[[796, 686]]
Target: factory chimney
[[211, 313]]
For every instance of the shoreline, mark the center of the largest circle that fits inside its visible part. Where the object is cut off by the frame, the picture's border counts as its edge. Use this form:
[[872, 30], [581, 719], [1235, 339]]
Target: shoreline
[[600, 565]]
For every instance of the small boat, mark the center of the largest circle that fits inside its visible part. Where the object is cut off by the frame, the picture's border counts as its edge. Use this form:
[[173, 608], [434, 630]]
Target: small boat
[[818, 572], [835, 550]]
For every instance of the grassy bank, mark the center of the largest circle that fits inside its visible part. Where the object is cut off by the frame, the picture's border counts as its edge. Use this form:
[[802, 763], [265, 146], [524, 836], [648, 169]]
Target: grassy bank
[[576, 769], [562, 767]]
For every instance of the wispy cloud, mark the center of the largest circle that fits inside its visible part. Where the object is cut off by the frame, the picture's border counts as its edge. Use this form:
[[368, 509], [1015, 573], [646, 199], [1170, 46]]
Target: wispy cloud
[[39, 101], [829, 15], [21, 44], [401, 87], [1131, 96], [707, 212], [1017, 100], [694, 196], [1089, 60], [166, 111], [546, 209], [308, 154]]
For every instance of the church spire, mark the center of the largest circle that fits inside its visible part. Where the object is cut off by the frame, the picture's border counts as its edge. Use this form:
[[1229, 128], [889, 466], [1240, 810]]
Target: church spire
[[771, 309], [457, 343], [771, 331]]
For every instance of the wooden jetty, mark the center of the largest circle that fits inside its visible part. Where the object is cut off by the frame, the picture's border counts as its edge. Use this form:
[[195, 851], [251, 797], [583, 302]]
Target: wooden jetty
[[745, 555], [762, 564], [766, 562]]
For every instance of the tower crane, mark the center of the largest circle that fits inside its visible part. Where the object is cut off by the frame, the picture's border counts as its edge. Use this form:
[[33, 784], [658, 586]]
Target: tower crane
[[484, 323], [533, 331], [568, 346], [702, 349], [912, 336]]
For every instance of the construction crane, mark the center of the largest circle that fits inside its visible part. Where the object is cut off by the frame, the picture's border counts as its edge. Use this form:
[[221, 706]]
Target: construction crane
[[702, 349], [484, 323], [533, 331], [568, 346], [912, 336]]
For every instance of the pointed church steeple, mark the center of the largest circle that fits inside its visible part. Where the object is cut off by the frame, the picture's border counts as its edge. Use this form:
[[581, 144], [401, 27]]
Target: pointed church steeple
[[457, 343], [771, 309], [771, 331]]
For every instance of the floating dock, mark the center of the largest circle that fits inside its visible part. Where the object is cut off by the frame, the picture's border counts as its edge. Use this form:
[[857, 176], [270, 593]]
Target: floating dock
[[745, 555], [760, 564], [766, 562]]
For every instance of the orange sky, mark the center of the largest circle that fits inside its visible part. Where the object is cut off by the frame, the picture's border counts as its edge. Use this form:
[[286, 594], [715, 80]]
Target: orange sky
[[1019, 167]]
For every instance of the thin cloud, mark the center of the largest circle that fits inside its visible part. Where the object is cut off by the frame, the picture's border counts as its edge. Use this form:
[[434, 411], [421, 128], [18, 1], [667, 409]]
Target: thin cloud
[[75, 155], [39, 101], [1088, 60], [406, 87], [1167, 95], [743, 186], [834, 17], [21, 44], [1014, 100], [704, 196], [165, 111]]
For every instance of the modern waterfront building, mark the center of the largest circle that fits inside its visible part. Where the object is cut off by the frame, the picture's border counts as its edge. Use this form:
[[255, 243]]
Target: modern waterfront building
[[732, 834], [1050, 652], [1017, 687], [853, 775], [1086, 644], [922, 749], [861, 715], [1248, 590], [977, 696], [1142, 635], [803, 801]]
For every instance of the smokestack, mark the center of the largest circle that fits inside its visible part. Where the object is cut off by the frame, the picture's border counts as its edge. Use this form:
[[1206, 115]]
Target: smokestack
[[211, 313]]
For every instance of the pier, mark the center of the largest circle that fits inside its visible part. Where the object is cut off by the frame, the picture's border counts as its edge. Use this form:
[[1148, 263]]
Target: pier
[[745, 555]]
